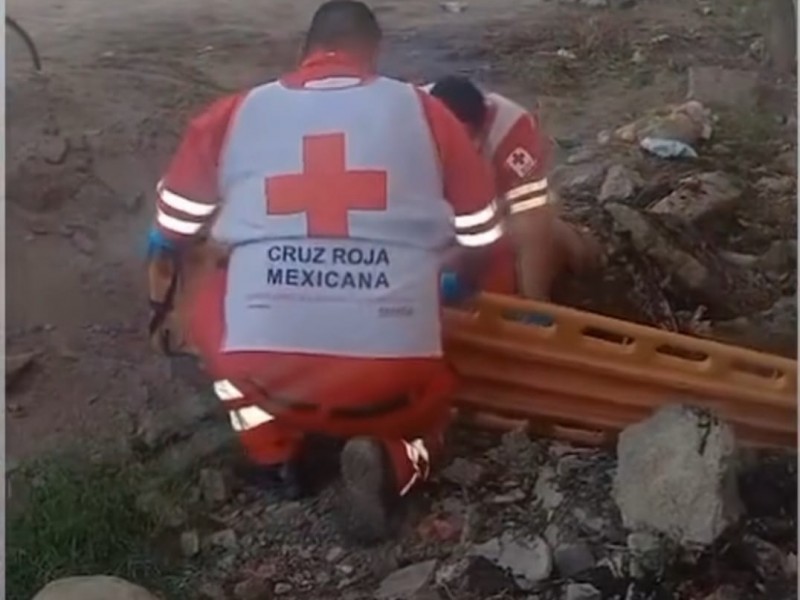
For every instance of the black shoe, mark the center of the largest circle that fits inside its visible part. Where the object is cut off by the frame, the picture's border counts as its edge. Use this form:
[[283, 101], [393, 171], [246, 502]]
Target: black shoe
[[369, 503], [283, 480], [314, 467]]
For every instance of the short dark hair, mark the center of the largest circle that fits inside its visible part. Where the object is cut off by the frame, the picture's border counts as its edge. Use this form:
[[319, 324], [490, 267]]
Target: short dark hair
[[339, 23], [463, 98]]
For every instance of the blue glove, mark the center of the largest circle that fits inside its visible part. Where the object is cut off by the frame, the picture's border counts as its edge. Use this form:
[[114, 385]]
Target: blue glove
[[158, 243], [453, 289]]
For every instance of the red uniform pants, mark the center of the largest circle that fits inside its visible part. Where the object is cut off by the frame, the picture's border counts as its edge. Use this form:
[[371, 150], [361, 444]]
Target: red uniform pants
[[275, 399]]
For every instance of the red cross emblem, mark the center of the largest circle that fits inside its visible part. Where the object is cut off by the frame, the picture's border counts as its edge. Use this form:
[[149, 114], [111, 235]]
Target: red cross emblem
[[326, 191], [521, 162]]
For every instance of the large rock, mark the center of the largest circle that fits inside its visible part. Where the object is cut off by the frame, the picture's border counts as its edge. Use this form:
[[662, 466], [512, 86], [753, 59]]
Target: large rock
[[677, 475], [718, 86], [699, 197], [95, 587]]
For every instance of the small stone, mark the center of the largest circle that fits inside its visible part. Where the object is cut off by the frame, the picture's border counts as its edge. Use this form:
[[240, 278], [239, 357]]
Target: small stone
[[578, 180], [516, 495], [768, 559], [252, 589], [54, 150], [620, 184], [346, 569], [83, 242], [552, 534], [582, 591], [213, 486], [282, 588], [646, 553], [334, 554], [406, 582], [724, 87], [453, 7], [724, 592], [95, 587], [212, 591], [676, 474], [791, 565], [161, 508], [463, 472], [190, 543], [451, 572], [528, 559], [440, 528], [546, 491], [225, 538], [572, 559]]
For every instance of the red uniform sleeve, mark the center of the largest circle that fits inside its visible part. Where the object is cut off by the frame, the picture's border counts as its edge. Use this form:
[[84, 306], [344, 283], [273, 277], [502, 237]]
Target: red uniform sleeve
[[521, 163], [468, 178], [188, 193]]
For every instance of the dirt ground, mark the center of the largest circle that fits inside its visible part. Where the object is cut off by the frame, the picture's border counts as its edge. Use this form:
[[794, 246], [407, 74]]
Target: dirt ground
[[88, 137]]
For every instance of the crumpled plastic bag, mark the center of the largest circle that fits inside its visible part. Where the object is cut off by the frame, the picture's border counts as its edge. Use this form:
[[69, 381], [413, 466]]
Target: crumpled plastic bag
[[664, 148]]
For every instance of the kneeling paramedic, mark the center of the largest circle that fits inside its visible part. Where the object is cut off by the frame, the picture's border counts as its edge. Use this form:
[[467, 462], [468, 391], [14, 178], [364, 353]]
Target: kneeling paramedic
[[338, 195], [539, 245]]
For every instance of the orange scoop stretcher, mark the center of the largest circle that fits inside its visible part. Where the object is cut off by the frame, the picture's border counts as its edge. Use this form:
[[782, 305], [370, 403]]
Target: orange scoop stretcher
[[583, 377]]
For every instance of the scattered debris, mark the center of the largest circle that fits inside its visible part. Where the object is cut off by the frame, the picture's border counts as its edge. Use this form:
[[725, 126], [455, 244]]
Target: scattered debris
[[688, 123], [677, 475]]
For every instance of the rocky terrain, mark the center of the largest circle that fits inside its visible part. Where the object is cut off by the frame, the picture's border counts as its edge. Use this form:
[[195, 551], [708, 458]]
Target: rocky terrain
[[677, 148]]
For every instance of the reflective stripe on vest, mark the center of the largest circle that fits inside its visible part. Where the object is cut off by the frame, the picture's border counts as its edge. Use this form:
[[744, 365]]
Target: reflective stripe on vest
[[333, 207]]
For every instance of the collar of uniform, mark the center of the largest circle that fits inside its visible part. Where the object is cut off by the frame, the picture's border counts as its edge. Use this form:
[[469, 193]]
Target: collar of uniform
[[322, 65], [491, 115]]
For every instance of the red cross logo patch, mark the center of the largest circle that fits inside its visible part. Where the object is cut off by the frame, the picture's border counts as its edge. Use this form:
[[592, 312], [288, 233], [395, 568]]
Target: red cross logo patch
[[521, 162]]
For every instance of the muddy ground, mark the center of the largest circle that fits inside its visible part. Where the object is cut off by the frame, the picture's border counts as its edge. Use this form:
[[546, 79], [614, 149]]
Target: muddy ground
[[88, 137]]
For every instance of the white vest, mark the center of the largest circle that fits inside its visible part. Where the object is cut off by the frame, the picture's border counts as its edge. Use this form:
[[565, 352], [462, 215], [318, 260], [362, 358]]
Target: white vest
[[365, 281], [505, 115]]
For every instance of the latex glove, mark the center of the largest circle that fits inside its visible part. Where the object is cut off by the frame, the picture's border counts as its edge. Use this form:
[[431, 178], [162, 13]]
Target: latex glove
[[158, 243], [453, 289]]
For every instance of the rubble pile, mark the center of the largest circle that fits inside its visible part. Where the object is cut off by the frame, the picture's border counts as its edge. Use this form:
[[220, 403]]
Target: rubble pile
[[679, 511], [699, 237]]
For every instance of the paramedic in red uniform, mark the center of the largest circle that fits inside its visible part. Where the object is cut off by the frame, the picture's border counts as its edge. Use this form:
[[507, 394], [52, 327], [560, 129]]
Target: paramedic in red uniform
[[339, 194], [512, 140]]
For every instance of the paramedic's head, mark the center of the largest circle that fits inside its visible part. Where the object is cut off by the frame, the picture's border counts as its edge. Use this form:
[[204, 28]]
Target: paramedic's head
[[464, 100], [344, 25]]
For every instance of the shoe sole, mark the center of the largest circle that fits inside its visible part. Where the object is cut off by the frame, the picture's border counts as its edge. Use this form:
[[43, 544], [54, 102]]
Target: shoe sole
[[364, 500]]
